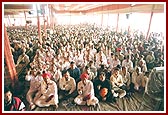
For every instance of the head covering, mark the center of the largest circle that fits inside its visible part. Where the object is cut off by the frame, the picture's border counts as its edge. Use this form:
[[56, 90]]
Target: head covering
[[84, 75], [46, 74]]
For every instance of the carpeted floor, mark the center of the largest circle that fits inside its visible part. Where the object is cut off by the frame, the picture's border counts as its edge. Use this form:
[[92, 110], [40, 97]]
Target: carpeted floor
[[136, 102]]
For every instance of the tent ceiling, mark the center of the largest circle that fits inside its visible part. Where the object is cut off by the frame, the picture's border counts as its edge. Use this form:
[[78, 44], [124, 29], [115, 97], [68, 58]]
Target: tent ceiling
[[14, 9]]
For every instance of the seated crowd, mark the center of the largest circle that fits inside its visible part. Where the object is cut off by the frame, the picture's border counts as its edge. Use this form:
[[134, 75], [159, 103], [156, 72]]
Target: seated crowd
[[86, 63]]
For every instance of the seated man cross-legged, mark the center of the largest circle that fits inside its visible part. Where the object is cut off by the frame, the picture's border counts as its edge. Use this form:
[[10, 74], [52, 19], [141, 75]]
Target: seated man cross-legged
[[103, 89], [86, 92], [48, 92], [67, 87]]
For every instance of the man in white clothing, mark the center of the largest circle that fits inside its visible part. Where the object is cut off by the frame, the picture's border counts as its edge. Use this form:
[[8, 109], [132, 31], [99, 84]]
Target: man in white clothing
[[139, 80], [142, 64], [35, 81], [23, 60], [56, 73], [48, 92], [117, 84], [67, 86], [91, 74], [115, 62], [86, 92], [128, 64]]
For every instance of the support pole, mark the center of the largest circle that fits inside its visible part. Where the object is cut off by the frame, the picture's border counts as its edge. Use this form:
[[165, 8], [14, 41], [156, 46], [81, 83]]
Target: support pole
[[102, 20], [52, 18], [9, 20], [25, 19], [9, 59], [45, 32], [147, 35], [108, 20], [117, 22], [38, 24]]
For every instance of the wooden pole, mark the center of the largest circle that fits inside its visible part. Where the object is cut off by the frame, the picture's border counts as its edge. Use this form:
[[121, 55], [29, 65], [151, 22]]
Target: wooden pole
[[38, 24], [9, 59], [117, 22], [147, 35], [45, 32], [108, 20], [25, 19], [102, 19], [9, 20], [52, 18]]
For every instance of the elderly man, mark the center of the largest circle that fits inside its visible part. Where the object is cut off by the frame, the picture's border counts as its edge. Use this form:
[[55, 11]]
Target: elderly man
[[67, 86], [48, 92], [86, 92]]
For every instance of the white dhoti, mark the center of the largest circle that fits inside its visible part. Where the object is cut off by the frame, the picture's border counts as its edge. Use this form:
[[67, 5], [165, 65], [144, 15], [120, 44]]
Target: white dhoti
[[92, 101], [30, 95], [44, 101]]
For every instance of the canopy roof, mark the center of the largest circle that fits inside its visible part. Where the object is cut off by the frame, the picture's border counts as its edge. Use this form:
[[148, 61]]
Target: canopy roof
[[85, 7]]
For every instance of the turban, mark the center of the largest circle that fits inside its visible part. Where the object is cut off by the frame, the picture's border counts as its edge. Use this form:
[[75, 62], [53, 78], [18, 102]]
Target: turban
[[84, 75], [118, 49], [46, 74]]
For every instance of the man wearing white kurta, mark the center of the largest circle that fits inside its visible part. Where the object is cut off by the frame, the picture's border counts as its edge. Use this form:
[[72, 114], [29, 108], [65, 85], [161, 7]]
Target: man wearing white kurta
[[117, 84], [35, 81], [128, 64], [67, 86], [48, 92], [138, 79], [86, 92], [125, 76], [114, 62], [56, 73]]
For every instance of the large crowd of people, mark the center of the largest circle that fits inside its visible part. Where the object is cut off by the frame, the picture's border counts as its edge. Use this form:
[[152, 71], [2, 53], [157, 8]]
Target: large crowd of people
[[84, 62]]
